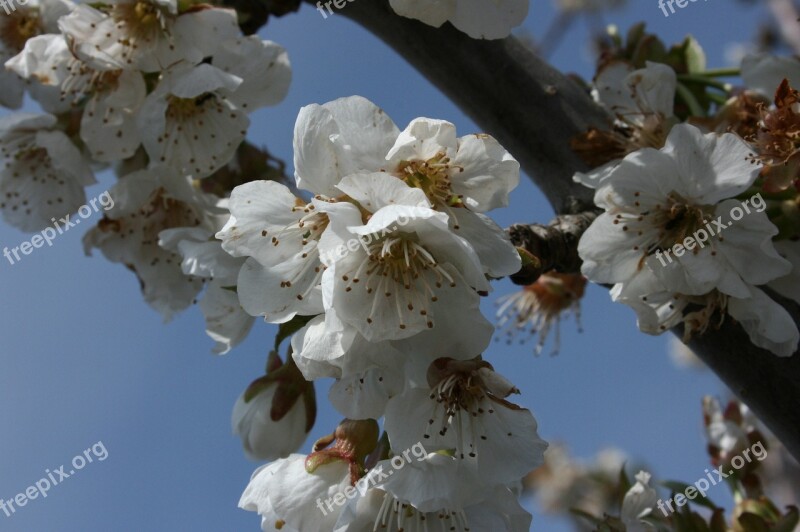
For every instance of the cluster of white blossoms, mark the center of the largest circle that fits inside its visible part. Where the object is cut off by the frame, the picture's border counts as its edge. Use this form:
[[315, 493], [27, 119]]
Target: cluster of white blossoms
[[477, 18], [159, 89], [682, 238], [380, 271]]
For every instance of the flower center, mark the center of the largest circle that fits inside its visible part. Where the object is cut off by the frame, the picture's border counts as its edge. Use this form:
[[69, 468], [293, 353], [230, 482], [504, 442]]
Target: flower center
[[398, 263], [185, 109], [142, 21], [432, 177], [84, 81], [396, 516], [539, 306], [679, 219], [18, 27]]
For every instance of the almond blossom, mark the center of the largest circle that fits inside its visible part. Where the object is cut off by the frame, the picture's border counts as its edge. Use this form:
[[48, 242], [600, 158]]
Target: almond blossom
[[146, 203], [463, 177], [655, 200], [189, 123], [26, 21], [279, 234], [464, 409], [409, 259], [43, 174], [203, 258], [111, 97], [425, 496], [641, 104], [147, 35]]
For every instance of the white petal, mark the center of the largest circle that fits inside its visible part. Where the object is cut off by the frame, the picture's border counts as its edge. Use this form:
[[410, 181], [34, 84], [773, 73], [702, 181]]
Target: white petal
[[487, 175], [490, 242], [263, 67], [364, 396], [711, 167], [263, 290], [767, 323], [226, 321], [789, 286], [608, 253], [747, 245], [44, 59], [263, 438], [377, 190], [108, 125], [489, 20], [260, 210], [365, 134], [422, 139], [431, 12], [764, 72], [294, 492]]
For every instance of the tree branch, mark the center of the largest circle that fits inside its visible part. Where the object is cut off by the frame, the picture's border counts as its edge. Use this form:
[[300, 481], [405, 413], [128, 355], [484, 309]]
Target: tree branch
[[534, 111]]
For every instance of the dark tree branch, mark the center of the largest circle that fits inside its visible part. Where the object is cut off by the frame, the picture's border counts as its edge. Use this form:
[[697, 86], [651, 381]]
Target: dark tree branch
[[553, 246], [534, 111]]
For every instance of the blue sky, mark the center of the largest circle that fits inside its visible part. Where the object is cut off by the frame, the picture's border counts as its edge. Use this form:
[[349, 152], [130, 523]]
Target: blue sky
[[85, 360]]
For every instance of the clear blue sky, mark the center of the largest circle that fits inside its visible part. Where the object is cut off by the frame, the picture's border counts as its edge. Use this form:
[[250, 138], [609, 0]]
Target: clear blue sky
[[84, 359]]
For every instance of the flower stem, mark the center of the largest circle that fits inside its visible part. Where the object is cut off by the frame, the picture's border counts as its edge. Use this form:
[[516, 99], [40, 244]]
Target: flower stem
[[688, 98]]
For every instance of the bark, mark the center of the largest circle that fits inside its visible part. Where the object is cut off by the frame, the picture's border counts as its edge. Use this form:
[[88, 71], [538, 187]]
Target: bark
[[534, 111]]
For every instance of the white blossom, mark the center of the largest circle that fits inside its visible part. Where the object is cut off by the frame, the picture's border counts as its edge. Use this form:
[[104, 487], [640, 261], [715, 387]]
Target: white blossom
[[188, 122], [425, 495], [43, 174], [638, 503], [641, 104], [279, 233], [408, 265], [655, 199], [466, 411], [110, 97], [146, 203], [26, 21], [147, 35], [285, 494], [462, 177], [203, 257]]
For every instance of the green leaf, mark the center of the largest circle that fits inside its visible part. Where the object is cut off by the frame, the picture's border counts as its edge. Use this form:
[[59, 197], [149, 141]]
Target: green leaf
[[624, 485], [753, 523], [287, 329], [788, 523]]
